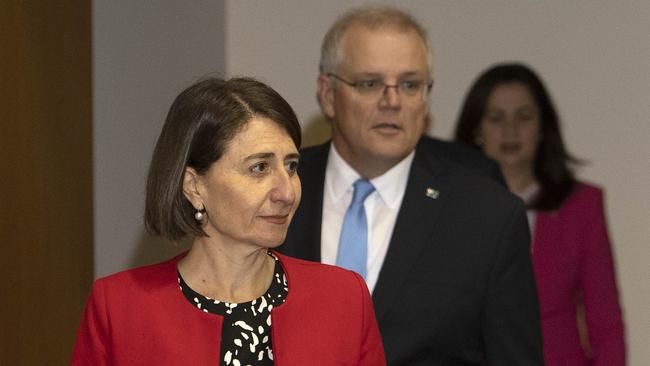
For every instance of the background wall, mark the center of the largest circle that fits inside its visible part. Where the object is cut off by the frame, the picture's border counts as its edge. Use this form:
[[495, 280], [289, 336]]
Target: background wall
[[144, 54], [593, 55]]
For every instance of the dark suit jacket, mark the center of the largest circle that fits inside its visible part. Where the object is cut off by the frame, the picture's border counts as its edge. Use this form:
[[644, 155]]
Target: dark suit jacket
[[464, 155], [456, 286]]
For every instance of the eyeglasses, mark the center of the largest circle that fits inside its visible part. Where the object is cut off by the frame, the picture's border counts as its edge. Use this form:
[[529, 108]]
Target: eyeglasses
[[377, 88]]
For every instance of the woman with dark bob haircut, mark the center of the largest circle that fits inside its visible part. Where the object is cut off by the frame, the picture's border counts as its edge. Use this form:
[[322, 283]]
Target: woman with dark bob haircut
[[509, 116], [223, 174]]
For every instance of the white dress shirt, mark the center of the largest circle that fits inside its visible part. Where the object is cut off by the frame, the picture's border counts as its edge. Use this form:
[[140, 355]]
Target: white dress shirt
[[382, 207], [528, 195]]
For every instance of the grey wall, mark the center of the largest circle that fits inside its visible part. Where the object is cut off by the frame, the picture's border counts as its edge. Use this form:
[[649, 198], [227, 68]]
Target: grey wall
[[144, 54]]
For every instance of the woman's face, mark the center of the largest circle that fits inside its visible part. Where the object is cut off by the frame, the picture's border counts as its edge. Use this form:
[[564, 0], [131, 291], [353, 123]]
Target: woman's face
[[510, 127], [251, 193]]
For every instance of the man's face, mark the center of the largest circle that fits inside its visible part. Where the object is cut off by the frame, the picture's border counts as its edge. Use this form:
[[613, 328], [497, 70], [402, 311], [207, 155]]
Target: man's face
[[375, 132]]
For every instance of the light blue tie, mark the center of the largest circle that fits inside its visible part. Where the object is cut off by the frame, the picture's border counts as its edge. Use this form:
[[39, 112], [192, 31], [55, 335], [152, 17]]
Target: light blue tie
[[353, 246]]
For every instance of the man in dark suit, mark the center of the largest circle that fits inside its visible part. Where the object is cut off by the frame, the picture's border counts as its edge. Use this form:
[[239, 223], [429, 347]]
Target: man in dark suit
[[444, 249]]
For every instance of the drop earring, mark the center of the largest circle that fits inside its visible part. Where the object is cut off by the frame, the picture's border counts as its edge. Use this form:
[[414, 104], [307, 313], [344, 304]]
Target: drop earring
[[199, 215]]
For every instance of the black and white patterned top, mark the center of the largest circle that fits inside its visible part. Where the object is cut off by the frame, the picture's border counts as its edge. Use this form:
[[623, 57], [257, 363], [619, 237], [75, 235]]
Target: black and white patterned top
[[246, 331]]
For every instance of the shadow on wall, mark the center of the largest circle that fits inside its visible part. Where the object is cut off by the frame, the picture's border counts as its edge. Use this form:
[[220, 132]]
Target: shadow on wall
[[316, 132], [152, 249]]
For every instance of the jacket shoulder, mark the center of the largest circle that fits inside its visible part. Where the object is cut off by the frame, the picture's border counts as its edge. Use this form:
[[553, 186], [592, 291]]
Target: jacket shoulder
[[585, 200], [315, 152], [318, 274], [293, 263], [583, 188], [462, 155], [153, 275]]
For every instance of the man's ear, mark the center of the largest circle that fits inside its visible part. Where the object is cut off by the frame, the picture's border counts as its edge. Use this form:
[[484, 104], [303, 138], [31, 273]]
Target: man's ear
[[192, 188], [326, 96]]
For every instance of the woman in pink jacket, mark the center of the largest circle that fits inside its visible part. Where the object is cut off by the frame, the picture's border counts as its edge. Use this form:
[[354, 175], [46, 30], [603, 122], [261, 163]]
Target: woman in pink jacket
[[223, 174], [509, 115]]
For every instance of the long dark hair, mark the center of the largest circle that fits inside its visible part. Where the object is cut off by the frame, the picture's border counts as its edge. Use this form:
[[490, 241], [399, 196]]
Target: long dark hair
[[552, 161]]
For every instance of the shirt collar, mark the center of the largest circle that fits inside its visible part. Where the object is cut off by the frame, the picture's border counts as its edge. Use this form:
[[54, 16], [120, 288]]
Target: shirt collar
[[340, 176], [529, 194]]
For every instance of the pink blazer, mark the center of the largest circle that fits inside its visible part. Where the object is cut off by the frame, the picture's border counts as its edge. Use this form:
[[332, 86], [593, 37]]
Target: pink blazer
[[140, 317], [572, 254]]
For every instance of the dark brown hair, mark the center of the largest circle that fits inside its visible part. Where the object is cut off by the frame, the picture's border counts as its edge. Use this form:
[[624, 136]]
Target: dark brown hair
[[200, 123], [552, 161]]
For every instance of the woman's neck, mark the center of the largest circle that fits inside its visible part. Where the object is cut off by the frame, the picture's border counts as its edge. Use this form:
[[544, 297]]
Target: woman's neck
[[518, 179], [232, 274]]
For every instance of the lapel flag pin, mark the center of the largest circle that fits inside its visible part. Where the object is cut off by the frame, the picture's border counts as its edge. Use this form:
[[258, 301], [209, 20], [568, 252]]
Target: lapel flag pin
[[432, 193]]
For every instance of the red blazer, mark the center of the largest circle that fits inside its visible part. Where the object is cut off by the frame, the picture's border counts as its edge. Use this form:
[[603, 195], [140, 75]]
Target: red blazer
[[140, 317], [572, 254]]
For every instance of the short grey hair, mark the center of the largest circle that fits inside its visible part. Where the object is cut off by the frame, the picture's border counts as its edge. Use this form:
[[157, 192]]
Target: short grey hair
[[373, 18]]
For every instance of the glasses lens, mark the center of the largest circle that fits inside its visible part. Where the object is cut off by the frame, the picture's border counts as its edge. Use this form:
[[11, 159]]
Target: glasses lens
[[370, 86], [411, 88]]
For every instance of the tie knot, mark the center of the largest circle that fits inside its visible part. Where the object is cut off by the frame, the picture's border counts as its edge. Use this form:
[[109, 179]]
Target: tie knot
[[362, 188]]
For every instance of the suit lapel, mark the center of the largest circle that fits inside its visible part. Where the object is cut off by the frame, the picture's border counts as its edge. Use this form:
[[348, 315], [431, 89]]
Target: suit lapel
[[422, 204]]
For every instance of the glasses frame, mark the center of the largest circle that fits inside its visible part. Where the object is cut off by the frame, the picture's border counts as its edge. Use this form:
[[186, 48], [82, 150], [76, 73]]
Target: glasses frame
[[355, 85]]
